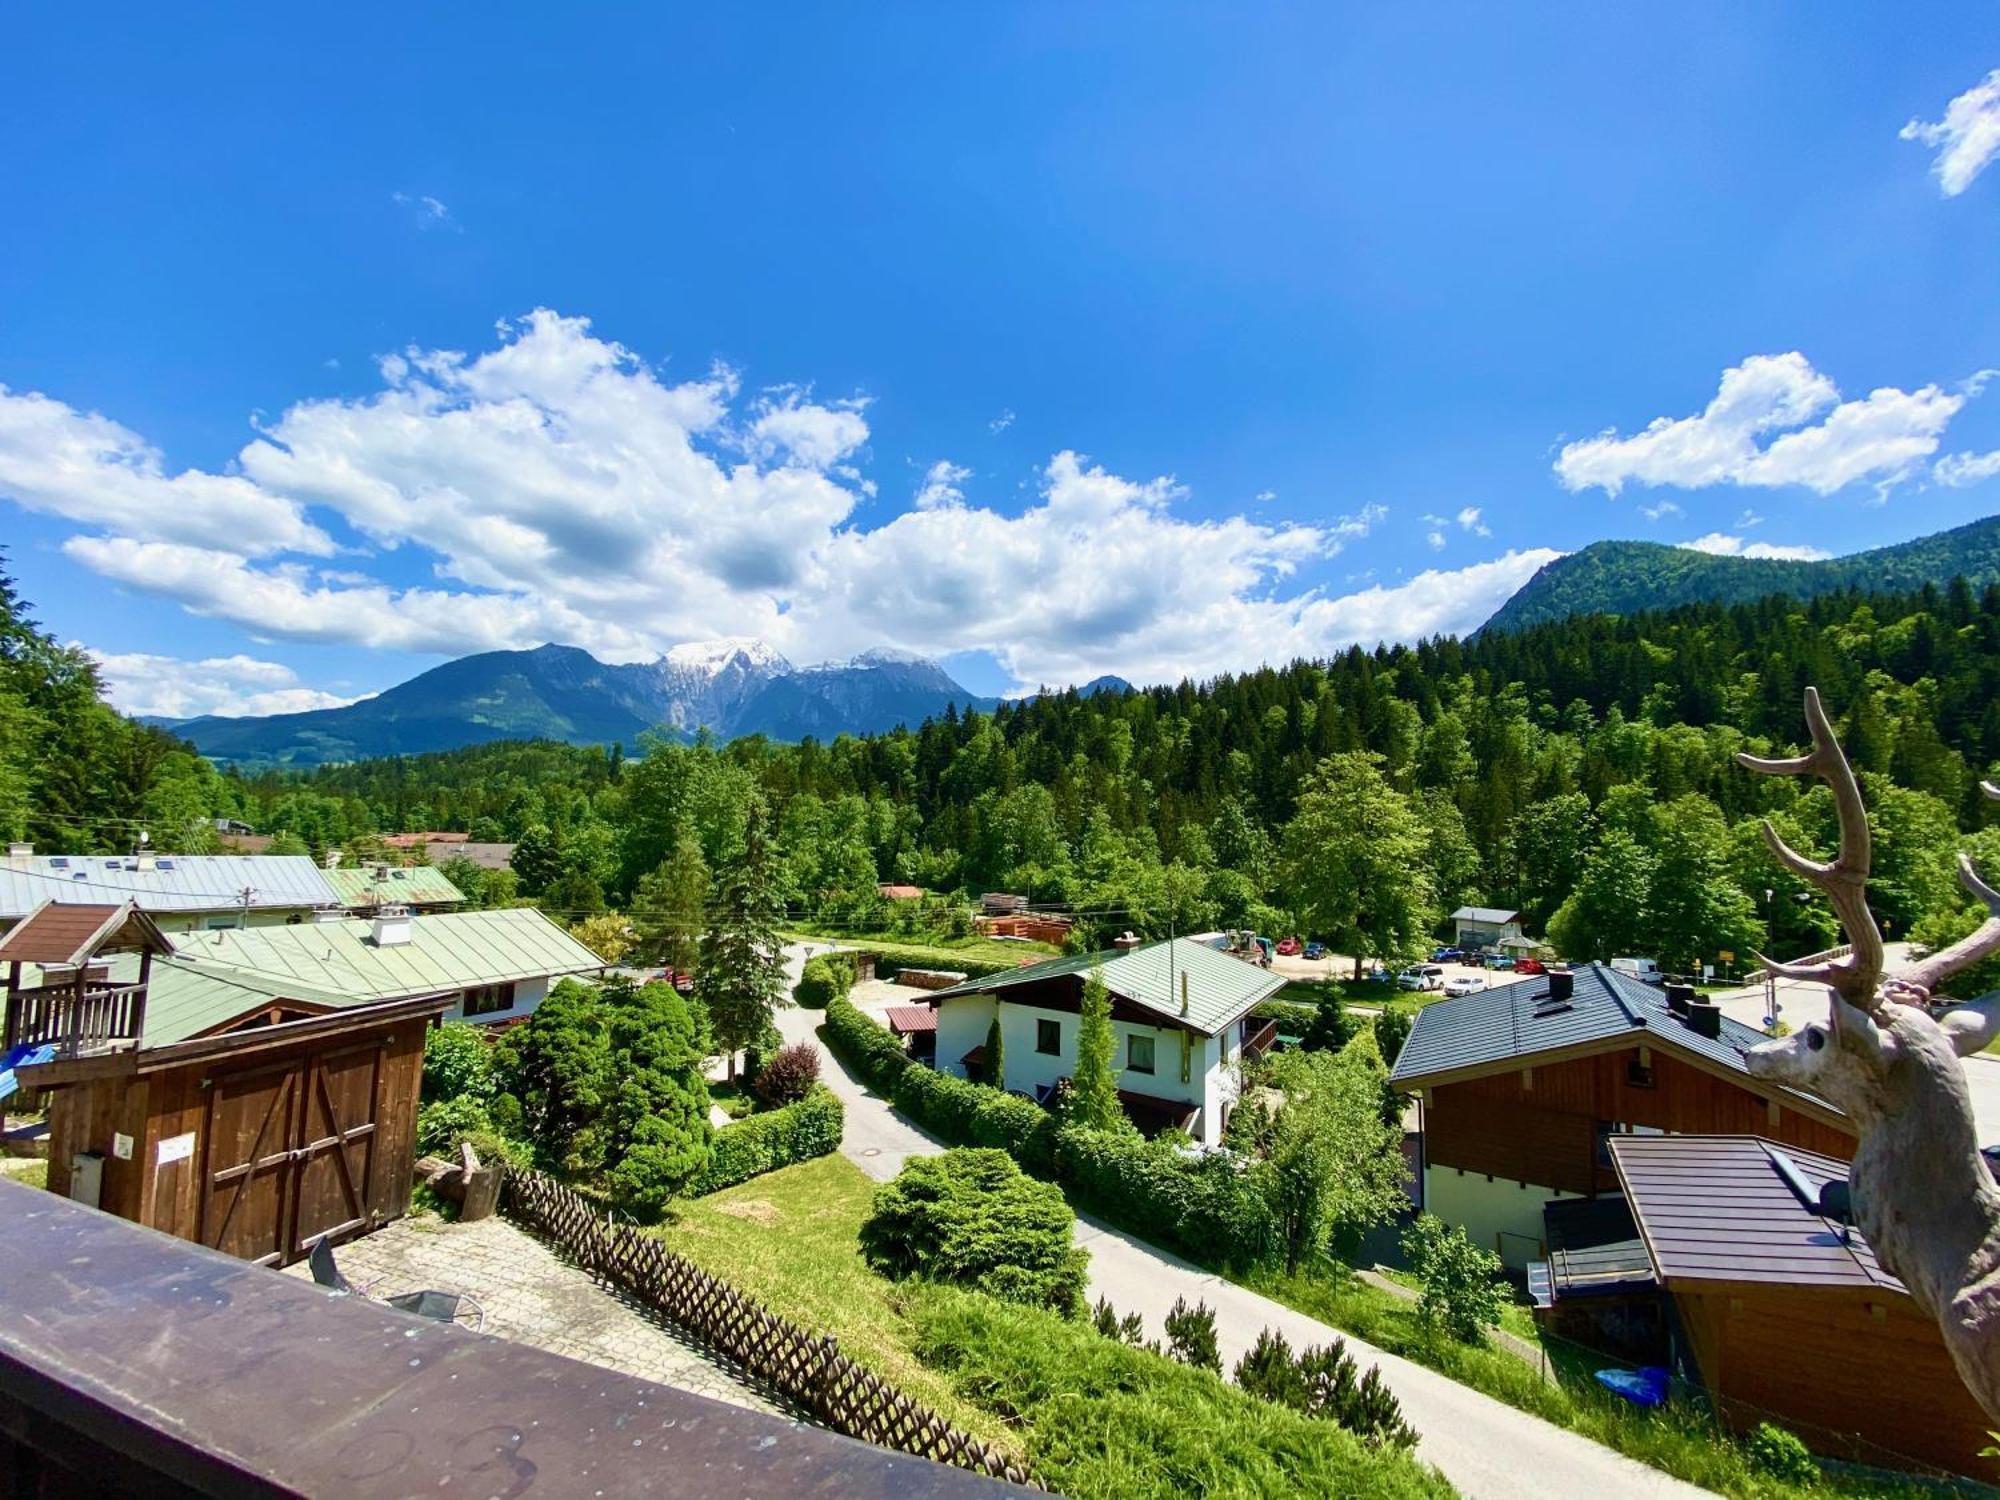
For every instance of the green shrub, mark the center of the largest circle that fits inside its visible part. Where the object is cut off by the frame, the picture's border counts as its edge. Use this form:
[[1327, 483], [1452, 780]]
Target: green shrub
[[442, 1125], [866, 1047], [1336, 1391], [1270, 1373], [826, 977], [1208, 1207], [763, 1143], [1292, 1019], [964, 1113], [1781, 1455], [1392, 1029], [458, 1062], [1130, 1329], [1191, 1335], [1462, 1292], [972, 1217], [1102, 1418]]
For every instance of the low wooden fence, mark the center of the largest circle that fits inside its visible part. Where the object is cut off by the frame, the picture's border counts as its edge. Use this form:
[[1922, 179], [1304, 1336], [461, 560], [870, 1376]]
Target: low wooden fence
[[805, 1368]]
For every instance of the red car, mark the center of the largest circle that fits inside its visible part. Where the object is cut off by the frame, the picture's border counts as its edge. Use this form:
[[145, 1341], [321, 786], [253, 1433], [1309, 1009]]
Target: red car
[[1530, 966], [1290, 947]]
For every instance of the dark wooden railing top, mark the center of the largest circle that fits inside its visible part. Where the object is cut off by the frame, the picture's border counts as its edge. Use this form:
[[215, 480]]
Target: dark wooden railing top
[[165, 1368], [97, 1016], [1261, 1040]]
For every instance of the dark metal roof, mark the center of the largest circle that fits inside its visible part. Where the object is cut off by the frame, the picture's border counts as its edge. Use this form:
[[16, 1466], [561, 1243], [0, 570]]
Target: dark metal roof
[[1722, 1208], [1518, 1022], [1594, 1248]]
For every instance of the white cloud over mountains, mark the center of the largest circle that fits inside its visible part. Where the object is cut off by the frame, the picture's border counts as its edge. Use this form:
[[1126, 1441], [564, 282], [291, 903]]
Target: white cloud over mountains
[[1967, 138], [1774, 421], [557, 487], [141, 683], [1722, 544]]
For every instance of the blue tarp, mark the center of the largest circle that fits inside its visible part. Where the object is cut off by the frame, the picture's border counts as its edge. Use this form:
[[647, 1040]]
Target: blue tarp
[[18, 1057], [1646, 1386]]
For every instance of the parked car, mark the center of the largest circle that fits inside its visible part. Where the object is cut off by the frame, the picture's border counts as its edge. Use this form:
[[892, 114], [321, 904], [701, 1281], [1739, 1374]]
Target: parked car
[[1464, 984], [1422, 977], [1289, 947], [1315, 950], [1646, 970], [1499, 961], [1446, 955], [1530, 966]]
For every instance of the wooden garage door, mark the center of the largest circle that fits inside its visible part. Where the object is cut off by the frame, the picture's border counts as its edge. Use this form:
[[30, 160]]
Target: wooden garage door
[[337, 1145], [246, 1207], [290, 1154]]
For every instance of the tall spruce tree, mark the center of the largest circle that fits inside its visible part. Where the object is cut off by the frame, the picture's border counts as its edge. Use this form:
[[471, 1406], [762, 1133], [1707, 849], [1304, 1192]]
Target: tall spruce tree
[[1094, 1087], [741, 980]]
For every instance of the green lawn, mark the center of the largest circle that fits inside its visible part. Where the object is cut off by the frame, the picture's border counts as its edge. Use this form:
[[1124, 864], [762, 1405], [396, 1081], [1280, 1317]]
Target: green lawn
[[927, 950], [789, 1239], [1095, 1418], [1678, 1440]]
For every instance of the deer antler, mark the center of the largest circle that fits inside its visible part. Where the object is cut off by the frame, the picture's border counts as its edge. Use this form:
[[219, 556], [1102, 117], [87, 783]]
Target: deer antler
[[1844, 881], [1982, 942]]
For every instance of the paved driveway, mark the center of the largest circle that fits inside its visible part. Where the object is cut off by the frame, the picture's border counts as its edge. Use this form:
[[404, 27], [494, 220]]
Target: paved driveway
[[1488, 1449]]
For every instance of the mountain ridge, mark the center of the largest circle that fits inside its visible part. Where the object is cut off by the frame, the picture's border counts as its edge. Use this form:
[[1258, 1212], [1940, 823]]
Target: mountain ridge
[[1624, 577], [729, 688]]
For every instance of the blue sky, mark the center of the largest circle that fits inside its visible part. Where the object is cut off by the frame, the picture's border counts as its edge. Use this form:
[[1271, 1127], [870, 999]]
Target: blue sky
[[1049, 340]]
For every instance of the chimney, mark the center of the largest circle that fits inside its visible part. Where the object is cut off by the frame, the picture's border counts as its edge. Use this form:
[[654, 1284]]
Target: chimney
[[1704, 1018], [392, 927], [1680, 997], [1562, 985], [1126, 943], [18, 855], [332, 860]]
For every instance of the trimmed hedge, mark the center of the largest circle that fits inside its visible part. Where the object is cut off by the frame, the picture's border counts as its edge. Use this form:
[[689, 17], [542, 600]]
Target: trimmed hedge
[[1207, 1207], [763, 1143], [1204, 1206], [825, 978], [864, 1046], [1292, 1019]]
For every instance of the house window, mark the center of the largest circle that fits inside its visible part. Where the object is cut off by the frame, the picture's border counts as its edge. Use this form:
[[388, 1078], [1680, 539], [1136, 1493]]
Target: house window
[[1048, 1037], [1139, 1054], [488, 999]]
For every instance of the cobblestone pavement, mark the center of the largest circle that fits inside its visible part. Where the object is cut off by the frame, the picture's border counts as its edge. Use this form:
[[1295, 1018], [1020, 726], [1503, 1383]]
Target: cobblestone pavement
[[531, 1295]]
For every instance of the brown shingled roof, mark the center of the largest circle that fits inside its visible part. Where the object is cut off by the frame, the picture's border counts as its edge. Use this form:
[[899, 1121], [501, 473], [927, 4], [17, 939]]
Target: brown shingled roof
[[1725, 1208], [68, 932]]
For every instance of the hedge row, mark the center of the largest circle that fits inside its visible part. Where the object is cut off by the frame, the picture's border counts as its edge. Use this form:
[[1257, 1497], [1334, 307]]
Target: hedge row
[[1205, 1206], [824, 979], [763, 1143], [1292, 1019]]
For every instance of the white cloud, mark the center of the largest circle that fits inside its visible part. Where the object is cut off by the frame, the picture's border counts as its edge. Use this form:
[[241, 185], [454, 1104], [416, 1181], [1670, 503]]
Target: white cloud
[[1814, 438], [941, 485], [556, 487], [425, 210], [1967, 138], [1265, 497], [793, 428], [1721, 544], [1749, 518], [140, 683], [1468, 520], [85, 467], [1434, 536], [1002, 422], [1659, 512], [1962, 469]]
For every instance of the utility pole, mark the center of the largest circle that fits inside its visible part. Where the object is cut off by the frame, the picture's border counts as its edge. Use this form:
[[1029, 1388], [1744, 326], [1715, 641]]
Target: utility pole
[[243, 912]]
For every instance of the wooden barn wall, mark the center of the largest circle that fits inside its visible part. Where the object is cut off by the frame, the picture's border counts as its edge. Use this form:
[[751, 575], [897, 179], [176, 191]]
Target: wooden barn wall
[[159, 1106], [1540, 1125], [1817, 1359]]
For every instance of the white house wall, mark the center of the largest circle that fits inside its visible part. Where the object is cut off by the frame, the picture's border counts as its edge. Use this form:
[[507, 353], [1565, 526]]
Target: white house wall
[[962, 1025], [1497, 1213], [528, 996]]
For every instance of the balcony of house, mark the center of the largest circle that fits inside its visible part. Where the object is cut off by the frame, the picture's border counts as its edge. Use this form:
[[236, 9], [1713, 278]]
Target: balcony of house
[[76, 1017]]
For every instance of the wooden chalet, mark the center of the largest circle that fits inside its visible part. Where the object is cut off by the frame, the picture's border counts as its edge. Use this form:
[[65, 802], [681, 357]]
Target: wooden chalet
[[1780, 1311], [223, 1106], [1524, 1086]]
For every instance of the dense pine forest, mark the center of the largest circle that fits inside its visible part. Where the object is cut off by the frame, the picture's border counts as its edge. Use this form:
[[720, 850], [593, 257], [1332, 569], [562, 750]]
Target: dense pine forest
[[1580, 771]]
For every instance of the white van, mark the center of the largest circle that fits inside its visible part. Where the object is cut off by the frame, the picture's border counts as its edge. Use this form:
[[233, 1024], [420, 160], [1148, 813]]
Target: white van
[[1645, 970]]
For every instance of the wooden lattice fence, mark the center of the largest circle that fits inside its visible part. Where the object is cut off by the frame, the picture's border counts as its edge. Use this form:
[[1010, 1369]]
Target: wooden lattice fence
[[805, 1368]]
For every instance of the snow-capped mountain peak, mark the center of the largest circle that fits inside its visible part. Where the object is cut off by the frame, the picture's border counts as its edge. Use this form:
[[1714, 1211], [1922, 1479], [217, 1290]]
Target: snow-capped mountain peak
[[707, 658]]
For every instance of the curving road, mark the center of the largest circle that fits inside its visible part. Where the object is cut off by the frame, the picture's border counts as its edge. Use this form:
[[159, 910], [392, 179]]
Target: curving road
[[1487, 1448]]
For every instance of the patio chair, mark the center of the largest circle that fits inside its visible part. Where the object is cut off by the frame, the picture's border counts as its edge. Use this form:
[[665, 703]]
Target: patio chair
[[440, 1307]]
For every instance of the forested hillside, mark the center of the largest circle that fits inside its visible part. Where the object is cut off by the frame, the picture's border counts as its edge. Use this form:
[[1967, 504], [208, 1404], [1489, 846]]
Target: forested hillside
[[1624, 577], [1580, 770]]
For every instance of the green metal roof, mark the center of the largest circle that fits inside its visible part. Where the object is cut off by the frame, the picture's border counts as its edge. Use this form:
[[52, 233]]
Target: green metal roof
[[1220, 988], [418, 885], [445, 951], [185, 997]]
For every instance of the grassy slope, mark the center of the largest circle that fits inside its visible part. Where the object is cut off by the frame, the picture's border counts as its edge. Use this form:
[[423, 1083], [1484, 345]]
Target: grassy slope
[[1680, 1442], [788, 1238], [929, 950], [1096, 1419]]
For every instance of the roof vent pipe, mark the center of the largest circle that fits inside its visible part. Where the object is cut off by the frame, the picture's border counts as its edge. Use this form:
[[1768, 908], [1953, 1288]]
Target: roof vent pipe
[[1704, 1018], [1562, 984], [1679, 998]]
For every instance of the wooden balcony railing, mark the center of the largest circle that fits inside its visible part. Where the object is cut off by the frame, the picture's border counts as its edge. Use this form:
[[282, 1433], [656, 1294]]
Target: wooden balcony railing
[[1261, 1040], [97, 1017]]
